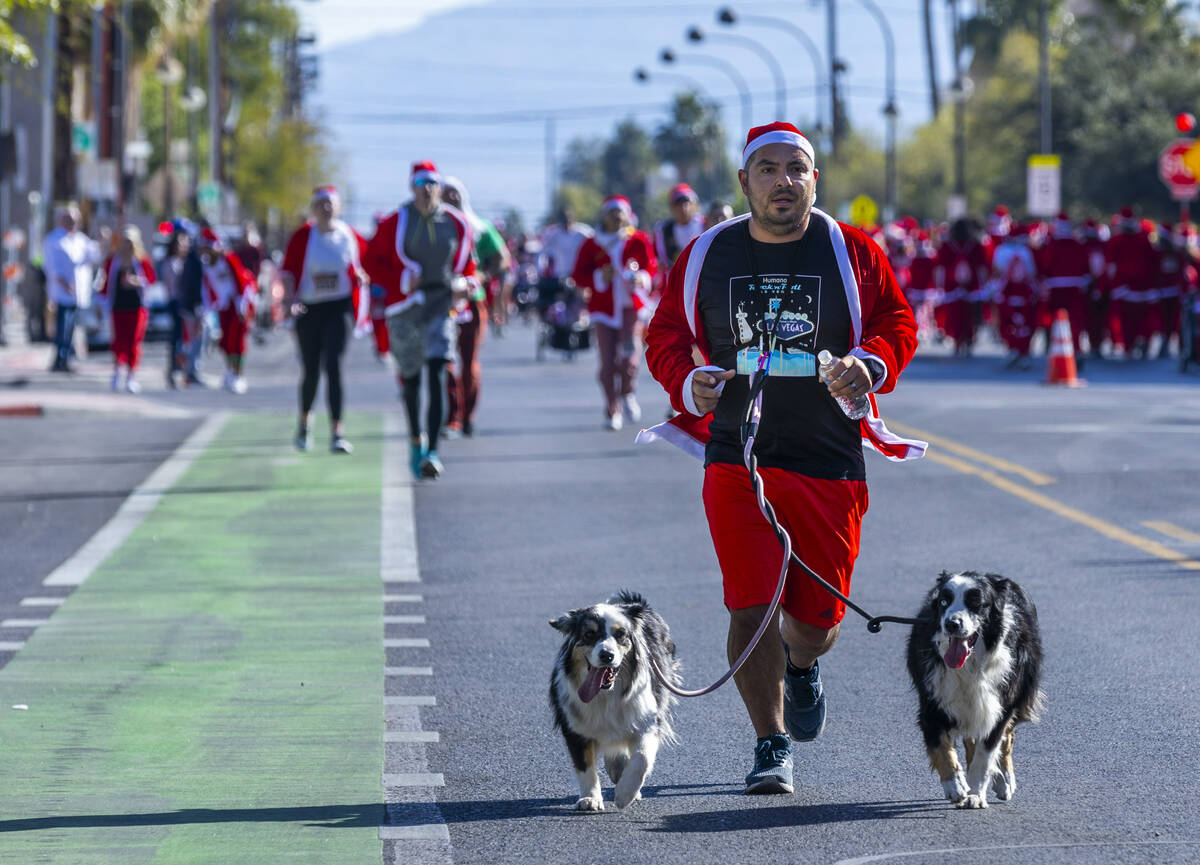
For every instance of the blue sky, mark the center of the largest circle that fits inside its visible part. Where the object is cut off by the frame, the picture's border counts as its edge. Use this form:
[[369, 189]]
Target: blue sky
[[469, 84]]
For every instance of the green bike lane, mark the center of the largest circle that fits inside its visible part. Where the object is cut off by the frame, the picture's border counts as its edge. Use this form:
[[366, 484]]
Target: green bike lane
[[213, 692]]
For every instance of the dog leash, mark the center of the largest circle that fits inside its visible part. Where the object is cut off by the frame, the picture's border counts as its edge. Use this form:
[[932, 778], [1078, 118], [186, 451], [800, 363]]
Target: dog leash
[[749, 434]]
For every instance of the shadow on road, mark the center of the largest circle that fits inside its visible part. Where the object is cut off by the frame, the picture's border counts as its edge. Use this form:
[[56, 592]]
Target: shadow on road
[[798, 815], [329, 816]]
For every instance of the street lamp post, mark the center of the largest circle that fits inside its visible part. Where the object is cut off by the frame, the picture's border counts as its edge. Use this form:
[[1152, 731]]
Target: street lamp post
[[890, 110], [727, 16], [668, 57], [959, 95], [695, 34]]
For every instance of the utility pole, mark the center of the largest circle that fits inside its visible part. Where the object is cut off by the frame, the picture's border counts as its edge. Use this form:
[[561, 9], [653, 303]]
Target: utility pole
[[49, 73], [193, 150], [551, 165], [835, 122], [935, 102], [1044, 74], [214, 95], [960, 109]]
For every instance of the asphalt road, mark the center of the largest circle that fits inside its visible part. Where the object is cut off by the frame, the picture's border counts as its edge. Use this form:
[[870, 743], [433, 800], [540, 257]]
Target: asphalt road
[[543, 510]]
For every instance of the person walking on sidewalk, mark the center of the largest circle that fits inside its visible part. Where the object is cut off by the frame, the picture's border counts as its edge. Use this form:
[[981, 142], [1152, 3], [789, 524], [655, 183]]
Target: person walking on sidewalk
[[617, 267], [126, 275], [421, 255], [325, 286], [229, 289], [790, 272], [68, 258], [170, 272]]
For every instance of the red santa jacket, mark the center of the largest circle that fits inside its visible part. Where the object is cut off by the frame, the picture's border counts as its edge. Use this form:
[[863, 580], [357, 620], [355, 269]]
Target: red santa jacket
[[242, 298], [961, 271], [881, 324], [623, 250], [1131, 266], [297, 252], [106, 293], [1064, 264], [387, 264]]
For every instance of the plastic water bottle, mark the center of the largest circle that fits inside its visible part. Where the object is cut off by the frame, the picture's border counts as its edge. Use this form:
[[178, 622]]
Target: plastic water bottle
[[855, 408]]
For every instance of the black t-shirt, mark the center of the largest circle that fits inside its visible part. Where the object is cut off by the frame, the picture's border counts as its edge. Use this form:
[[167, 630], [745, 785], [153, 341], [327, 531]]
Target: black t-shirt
[[127, 295], [802, 429]]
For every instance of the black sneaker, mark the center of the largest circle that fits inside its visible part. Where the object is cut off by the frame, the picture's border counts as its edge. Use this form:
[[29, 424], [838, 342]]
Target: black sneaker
[[803, 703], [772, 771]]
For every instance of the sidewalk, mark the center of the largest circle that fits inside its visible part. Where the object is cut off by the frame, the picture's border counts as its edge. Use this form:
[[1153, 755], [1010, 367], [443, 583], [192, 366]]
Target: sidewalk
[[213, 691]]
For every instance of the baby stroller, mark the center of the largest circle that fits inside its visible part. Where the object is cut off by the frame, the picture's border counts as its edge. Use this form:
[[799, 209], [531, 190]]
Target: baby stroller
[[563, 324]]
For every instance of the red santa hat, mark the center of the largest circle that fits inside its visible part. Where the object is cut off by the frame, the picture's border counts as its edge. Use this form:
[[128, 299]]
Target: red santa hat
[[208, 237], [424, 172], [683, 192], [776, 133], [999, 223], [617, 202], [325, 193]]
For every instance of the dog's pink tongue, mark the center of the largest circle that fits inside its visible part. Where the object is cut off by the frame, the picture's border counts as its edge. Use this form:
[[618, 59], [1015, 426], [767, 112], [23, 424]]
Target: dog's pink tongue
[[956, 654], [591, 685]]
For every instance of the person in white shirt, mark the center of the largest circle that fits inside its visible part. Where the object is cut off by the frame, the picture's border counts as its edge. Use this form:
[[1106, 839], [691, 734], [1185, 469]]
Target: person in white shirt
[[69, 259], [560, 247]]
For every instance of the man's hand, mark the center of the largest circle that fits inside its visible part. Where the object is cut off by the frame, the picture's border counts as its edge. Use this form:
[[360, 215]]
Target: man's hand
[[850, 378], [704, 388]]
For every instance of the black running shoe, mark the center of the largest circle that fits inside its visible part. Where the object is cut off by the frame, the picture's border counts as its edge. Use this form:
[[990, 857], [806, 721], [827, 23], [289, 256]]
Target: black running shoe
[[803, 703], [772, 771]]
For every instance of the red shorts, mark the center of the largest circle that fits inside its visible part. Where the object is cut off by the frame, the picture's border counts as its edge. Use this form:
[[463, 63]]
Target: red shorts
[[823, 517]]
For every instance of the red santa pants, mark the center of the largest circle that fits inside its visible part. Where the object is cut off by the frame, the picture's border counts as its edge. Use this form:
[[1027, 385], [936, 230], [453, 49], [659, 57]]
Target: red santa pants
[[128, 333], [824, 519], [233, 332], [379, 328], [462, 384], [619, 349], [1014, 314]]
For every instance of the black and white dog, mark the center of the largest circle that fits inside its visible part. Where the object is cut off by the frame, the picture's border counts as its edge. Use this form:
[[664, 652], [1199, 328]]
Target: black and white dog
[[976, 661], [606, 700]]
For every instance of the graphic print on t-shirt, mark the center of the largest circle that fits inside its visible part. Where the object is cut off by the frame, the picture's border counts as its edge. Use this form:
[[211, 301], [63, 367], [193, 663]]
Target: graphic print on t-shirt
[[796, 302]]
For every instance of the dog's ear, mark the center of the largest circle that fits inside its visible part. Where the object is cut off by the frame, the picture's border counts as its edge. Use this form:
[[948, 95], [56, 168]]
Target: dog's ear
[[565, 622], [993, 628], [631, 602]]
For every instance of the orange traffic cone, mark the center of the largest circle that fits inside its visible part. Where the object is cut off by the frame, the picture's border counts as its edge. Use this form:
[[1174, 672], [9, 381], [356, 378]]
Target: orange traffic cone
[[1060, 362]]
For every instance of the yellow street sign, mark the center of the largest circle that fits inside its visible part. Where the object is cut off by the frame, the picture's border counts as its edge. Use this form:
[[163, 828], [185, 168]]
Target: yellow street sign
[[1191, 159], [864, 211]]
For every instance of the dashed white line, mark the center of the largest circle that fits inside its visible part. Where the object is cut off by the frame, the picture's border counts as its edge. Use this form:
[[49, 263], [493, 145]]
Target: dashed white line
[[404, 620], [408, 671], [23, 623], [412, 736], [134, 509], [14, 646], [410, 701], [406, 643], [42, 602], [402, 599]]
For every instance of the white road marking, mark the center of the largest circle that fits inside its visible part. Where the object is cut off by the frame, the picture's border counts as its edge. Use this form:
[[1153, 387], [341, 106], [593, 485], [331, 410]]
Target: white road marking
[[408, 671], [406, 643], [905, 854], [398, 538], [11, 646], [404, 620], [134, 509], [42, 602], [402, 599], [23, 623], [412, 736], [416, 832], [413, 779], [410, 701]]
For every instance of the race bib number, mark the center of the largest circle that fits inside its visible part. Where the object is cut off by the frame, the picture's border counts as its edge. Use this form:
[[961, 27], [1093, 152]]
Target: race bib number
[[325, 284]]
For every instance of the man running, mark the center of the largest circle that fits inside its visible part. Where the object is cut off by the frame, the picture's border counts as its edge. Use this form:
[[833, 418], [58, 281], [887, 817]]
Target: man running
[[789, 281]]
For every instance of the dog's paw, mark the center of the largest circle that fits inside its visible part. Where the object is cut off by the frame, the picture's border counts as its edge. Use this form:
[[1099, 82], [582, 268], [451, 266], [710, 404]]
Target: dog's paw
[[972, 801], [590, 803], [1004, 784], [956, 789], [625, 798]]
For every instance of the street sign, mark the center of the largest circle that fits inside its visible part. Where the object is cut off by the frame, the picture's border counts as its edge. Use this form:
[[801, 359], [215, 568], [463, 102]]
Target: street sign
[[1174, 172], [864, 211], [208, 195], [1191, 159], [1043, 184], [83, 139]]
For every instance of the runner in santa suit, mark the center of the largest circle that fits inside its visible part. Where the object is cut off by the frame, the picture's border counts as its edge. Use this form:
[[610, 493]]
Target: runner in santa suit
[[1015, 294], [788, 270], [326, 289], [229, 290], [1097, 301], [617, 268], [922, 290], [125, 277], [1066, 276], [961, 273], [672, 235], [421, 255], [1131, 264], [999, 225], [1169, 285]]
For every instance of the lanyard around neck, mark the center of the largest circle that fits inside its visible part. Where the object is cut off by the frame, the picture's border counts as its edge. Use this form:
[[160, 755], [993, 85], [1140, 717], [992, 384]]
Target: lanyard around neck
[[752, 259]]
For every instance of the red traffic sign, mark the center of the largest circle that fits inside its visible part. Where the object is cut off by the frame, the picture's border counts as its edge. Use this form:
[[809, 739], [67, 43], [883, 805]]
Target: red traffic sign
[[1174, 172]]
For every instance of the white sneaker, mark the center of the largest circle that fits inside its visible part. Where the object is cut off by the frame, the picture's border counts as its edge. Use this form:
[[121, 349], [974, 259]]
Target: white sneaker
[[629, 405], [116, 380], [132, 385], [239, 385], [614, 422]]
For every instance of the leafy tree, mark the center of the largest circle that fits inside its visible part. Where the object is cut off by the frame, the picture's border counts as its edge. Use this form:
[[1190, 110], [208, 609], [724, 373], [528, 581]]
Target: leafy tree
[[693, 140], [628, 162], [13, 46]]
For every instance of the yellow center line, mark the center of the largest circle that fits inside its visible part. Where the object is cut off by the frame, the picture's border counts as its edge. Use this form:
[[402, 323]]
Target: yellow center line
[[1035, 478], [1109, 530], [1173, 531]]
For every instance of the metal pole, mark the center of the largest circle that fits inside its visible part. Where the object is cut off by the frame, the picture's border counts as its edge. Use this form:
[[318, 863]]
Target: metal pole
[[168, 191], [1044, 74], [960, 133], [810, 46], [214, 95], [122, 102], [890, 110], [551, 167], [5, 202], [772, 64], [930, 58], [49, 71], [831, 48], [193, 149]]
